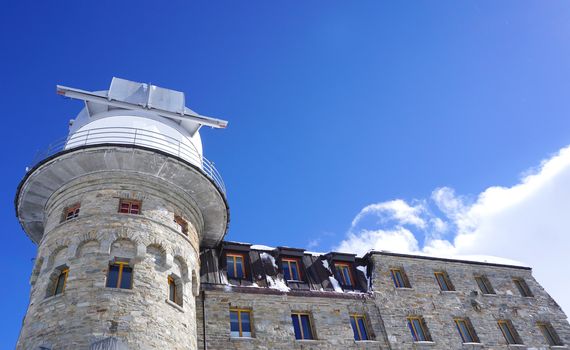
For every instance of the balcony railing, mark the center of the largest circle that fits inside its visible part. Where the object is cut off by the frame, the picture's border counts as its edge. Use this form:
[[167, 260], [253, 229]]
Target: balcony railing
[[137, 137]]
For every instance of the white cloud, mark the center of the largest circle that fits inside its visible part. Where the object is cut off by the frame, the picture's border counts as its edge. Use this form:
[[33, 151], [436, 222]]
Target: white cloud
[[528, 222]]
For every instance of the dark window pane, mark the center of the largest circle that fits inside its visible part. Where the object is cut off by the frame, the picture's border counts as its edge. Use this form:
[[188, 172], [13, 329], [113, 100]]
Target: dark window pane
[[124, 208], [414, 335], [442, 282], [286, 273], [294, 271], [60, 283], [307, 332], [113, 276], [296, 326], [239, 267], [172, 291], [362, 329], [245, 324], [346, 276], [234, 324], [419, 330], [230, 266], [464, 331], [507, 333], [127, 277], [354, 329]]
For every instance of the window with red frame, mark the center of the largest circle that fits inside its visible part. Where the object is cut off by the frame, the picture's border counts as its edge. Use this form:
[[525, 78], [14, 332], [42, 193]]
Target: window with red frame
[[71, 212], [129, 206]]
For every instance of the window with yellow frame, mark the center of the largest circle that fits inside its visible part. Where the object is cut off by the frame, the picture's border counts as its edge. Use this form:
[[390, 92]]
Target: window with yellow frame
[[240, 323], [120, 275], [291, 269], [235, 265], [302, 325], [59, 286], [345, 274], [418, 329], [358, 324]]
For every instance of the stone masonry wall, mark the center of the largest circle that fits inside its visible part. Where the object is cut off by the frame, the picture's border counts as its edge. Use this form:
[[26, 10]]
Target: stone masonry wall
[[87, 311], [272, 326], [439, 308]]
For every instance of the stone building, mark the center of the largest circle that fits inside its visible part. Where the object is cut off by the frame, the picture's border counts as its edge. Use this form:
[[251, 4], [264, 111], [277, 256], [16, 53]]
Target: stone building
[[129, 218]]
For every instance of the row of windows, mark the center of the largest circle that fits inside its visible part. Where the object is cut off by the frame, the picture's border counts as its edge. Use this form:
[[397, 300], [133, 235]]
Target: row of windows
[[241, 326], [291, 267], [119, 275], [126, 206], [401, 281]]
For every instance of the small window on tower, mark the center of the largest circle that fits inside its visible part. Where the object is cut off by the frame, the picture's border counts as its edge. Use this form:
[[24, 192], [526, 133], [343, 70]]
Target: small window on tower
[[182, 224], [58, 281], [71, 212], [120, 275], [175, 289], [127, 206]]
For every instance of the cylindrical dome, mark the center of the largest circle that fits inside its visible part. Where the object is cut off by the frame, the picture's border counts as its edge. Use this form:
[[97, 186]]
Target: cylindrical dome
[[141, 128]]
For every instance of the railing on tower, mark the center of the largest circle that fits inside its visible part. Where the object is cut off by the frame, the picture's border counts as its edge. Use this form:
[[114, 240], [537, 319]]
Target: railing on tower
[[138, 137]]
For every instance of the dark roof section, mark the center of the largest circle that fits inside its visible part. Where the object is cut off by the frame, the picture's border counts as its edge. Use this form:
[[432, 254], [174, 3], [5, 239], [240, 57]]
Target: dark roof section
[[424, 257]]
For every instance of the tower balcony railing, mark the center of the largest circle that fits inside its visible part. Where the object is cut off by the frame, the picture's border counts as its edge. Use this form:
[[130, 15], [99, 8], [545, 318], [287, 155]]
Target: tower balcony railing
[[184, 149]]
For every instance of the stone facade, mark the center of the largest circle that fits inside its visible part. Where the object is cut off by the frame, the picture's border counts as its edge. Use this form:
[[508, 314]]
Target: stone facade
[[87, 312], [385, 307]]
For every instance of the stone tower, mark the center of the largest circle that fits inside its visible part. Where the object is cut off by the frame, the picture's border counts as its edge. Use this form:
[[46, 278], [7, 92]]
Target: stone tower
[[119, 211]]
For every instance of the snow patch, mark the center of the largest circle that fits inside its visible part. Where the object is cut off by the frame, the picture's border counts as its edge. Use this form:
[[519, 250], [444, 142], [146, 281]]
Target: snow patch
[[277, 284], [266, 256], [335, 284], [261, 247]]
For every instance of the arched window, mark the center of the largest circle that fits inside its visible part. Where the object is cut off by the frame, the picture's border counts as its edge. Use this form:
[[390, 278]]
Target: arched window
[[57, 282], [175, 289]]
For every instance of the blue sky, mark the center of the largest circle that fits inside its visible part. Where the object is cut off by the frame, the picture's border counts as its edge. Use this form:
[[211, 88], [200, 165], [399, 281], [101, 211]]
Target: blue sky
[[333, 106]]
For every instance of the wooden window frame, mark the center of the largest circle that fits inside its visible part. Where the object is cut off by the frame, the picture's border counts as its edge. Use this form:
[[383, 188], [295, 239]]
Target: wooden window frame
[[239, 312], [446, 280], [65, 273], [235, 255], [356, 317], [182, 223], [121, 265], [522, 287], [472, 334], [130, 202], [71, 212], [339, 266], [486, 283], [290, 260], [309, 317], [423, 325], [172, 292], [512, 331], [552, 339], [405, 280]]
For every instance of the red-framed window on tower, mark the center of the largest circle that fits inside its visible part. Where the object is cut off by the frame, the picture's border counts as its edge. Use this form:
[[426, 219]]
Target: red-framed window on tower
[[129, 206], [71, 212]]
